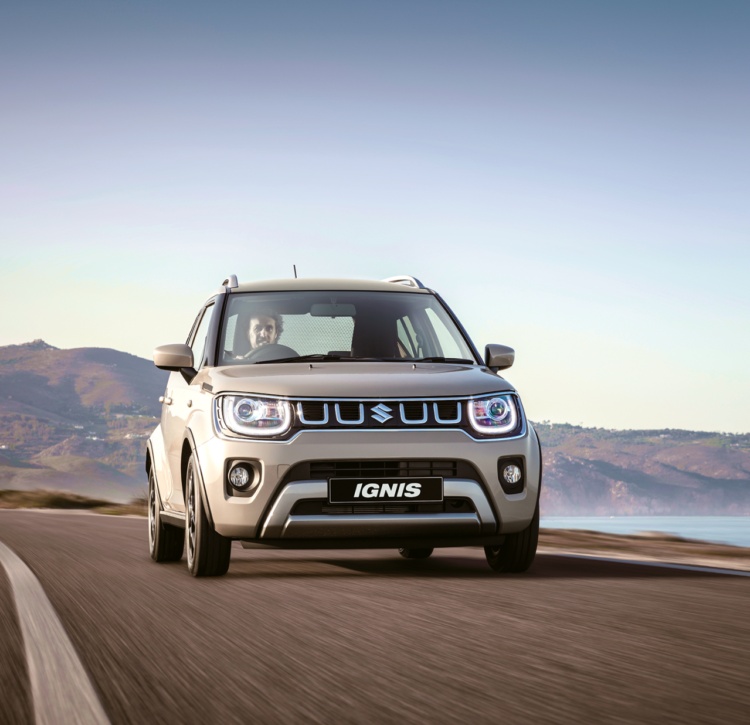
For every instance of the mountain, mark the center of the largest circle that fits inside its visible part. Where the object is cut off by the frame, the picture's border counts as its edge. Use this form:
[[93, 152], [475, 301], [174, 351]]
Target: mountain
[[78, 420], [594, 471]]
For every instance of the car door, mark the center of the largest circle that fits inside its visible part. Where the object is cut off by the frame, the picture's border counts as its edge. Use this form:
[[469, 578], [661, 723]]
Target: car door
[[177, 405]]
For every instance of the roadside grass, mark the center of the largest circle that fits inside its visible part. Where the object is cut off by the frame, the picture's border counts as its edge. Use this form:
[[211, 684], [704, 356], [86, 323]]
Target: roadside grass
[[44, 499]]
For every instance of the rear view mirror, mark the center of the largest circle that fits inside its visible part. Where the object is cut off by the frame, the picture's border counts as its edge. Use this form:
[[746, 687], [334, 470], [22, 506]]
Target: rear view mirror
[[333, 310], [499, 357]]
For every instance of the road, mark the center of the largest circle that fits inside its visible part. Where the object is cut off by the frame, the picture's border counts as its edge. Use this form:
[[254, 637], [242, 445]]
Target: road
[[368, 637]]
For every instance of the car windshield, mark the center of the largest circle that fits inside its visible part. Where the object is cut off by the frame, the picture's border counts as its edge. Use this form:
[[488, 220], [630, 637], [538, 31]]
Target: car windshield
[[261, 327]]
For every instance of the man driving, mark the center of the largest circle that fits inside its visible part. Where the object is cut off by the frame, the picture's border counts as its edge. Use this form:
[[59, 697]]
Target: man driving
[[264, 329]]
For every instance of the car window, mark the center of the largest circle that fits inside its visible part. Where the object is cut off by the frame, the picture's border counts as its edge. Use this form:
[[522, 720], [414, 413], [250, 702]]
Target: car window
[[361, 325], [407, 338], [448, 338], [198, 343]]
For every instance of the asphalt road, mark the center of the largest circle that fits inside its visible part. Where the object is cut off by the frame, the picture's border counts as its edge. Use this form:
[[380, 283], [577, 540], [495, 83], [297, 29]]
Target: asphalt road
[[368, 637]]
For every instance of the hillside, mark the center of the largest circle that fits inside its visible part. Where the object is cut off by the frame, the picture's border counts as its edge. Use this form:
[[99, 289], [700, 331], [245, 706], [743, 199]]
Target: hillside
[[591, 471], [77, 420]]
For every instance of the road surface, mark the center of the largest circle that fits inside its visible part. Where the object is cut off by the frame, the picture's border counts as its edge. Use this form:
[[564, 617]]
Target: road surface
[[368, 637]]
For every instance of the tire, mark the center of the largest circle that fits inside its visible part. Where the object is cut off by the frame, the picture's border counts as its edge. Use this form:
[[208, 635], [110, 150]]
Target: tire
[[208, 553], [517, 552], [416, 553], [165, 543]]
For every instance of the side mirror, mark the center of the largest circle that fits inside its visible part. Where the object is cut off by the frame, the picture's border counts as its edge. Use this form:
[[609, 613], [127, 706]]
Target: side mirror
[[173, 357], [499, 357]]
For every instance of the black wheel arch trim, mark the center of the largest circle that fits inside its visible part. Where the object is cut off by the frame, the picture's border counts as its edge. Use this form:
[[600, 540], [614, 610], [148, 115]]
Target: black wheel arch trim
[[150, 467], [149, 462], [541, 467], [199, 475]]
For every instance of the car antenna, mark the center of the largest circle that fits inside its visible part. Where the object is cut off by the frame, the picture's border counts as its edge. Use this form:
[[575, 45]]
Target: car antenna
[[294, 266]]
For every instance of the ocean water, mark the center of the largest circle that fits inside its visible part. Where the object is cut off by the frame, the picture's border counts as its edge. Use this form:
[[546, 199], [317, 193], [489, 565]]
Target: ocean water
[[733, 530]]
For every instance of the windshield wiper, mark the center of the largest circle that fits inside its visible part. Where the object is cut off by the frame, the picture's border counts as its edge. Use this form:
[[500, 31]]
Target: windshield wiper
[[316, 357], [322, 357], [440, 359]]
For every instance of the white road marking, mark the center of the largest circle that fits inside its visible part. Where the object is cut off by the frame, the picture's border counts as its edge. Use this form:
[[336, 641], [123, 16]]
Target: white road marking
[[60, 688], [645, 562]]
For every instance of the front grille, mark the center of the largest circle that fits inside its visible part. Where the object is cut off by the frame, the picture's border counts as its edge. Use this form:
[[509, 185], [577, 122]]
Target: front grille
[[410, 468], [357, 469], [348, 414], [320, 507]]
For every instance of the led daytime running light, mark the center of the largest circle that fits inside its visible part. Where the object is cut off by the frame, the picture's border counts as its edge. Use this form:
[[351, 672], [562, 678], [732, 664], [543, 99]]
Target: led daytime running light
[[246, 415], [496, 415]]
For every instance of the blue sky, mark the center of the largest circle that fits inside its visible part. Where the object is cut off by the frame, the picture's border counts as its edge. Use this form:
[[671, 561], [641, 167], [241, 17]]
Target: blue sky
[[572, 177]]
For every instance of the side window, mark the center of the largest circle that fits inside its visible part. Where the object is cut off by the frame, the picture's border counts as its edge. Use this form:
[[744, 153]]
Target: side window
[[198, 343], [228, 343]]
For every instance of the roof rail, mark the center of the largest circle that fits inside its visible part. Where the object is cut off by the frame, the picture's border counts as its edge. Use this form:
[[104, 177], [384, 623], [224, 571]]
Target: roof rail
[[230, 282], [407, 280]]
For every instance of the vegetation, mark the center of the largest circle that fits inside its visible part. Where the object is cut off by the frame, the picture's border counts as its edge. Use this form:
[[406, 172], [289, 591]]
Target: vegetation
[[42, 499]]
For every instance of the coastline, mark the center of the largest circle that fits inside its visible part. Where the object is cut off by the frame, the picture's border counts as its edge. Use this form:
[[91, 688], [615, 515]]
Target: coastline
[[647, 547]]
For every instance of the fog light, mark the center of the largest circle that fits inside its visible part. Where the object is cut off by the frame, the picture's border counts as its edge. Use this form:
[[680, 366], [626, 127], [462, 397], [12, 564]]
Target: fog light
[[239, 476], [512, 474]]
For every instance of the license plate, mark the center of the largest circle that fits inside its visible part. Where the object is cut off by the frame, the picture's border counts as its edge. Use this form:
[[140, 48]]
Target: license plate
[[372, 490]]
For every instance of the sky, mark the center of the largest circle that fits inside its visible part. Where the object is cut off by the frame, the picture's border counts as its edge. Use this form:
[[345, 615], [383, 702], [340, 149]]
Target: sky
[[571, 177]]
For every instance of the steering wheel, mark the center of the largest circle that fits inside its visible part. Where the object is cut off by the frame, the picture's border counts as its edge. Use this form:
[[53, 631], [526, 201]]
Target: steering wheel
[[272, 351]]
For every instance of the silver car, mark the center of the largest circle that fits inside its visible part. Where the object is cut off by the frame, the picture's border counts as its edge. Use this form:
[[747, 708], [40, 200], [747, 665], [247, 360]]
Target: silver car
[[329, 413]]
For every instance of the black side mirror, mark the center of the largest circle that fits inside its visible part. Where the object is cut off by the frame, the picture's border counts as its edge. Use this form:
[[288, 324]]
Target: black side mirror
[[499, 357]]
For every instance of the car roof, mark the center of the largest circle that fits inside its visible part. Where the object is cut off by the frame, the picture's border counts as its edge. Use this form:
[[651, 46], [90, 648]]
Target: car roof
[[307, 283]]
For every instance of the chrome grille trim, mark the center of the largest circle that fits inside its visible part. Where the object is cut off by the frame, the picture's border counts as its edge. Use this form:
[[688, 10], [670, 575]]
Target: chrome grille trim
[[306, 421], [381, 413], [344, 421], [407, 421], [446, 421]]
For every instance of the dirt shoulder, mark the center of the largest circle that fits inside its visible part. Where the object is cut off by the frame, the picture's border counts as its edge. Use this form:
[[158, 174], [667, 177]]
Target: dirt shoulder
[[644, 547]]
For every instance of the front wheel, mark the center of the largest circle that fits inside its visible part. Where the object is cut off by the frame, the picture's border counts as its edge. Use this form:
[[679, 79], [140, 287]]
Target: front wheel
[[517, 552], [165, 543], [208, 553]]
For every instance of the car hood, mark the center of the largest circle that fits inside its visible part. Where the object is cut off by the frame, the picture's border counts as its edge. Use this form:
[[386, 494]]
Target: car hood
[[356, 380]]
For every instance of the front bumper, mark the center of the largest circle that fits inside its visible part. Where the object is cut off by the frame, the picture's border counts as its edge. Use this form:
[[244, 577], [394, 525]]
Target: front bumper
[[267, 516]]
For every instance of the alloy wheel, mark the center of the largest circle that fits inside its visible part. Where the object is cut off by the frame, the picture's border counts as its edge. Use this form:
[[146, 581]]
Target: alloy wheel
[[151, 513], [190, 524]]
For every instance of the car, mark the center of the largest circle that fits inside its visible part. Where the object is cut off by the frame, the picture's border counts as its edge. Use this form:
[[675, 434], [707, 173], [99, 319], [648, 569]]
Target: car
[[332, 413]]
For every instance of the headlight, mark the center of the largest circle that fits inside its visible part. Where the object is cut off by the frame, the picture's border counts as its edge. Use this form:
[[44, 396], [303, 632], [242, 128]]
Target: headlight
[[253, 416], [497, 415]]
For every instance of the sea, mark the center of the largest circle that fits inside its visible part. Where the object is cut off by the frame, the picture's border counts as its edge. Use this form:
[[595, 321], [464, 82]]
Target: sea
[[734, 530]]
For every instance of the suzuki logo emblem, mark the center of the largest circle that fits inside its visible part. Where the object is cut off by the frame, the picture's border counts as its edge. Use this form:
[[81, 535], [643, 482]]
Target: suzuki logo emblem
[[380, 413]]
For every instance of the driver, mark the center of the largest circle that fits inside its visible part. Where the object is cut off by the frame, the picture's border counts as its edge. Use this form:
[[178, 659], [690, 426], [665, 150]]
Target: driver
[[265, 329]]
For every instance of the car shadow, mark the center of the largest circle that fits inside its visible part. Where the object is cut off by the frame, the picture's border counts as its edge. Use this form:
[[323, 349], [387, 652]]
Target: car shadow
[[449, 566]]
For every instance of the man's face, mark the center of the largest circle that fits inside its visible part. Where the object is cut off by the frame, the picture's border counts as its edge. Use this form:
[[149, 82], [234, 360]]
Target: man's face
[[262, 331]]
